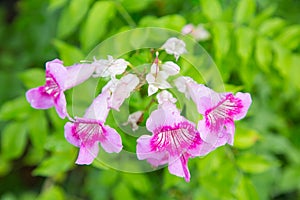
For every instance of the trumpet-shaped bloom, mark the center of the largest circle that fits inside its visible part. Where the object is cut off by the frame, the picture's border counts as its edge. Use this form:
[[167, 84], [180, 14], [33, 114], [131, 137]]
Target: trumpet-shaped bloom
[[174, 140], [219, 111], [58, 79], [174, 47], [110, 67], [87, 132]]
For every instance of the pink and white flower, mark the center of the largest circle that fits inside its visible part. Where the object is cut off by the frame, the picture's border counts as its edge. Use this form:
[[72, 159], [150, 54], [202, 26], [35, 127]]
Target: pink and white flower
[[174, 140], [174, 46], [58, 79], [110, 67], [87, 132], [219, 111]]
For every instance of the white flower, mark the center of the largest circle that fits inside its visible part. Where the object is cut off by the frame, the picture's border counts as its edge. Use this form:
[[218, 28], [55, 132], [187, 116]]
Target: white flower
[[133, 119], [157, 78], [157, 81], [110, 67], [174, 47], [165, 96]]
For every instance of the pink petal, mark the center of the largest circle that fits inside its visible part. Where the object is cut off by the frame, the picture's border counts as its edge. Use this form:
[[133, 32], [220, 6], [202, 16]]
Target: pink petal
[[166, 115], [144, 151], [204, 97], [187, 29], [213, 138], [178, 167], [87, 154], [143, 148], [70, 134], [99, 108], [199, 147], [77, 74], [246, 102], [39, 99], [61, 105], [111, 142], [58, 71]]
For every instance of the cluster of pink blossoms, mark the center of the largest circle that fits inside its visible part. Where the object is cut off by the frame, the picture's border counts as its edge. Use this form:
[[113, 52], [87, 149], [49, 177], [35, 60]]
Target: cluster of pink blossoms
[[174, 138]]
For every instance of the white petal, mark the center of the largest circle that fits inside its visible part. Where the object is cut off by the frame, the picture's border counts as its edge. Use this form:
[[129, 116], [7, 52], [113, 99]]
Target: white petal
[[174, 47], [150, 78], [118, 67], [123, 89], [152, 89], [170, 68]]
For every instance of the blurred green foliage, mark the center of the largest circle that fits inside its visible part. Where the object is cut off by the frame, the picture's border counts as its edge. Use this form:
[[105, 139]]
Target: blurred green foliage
[[256, 46]]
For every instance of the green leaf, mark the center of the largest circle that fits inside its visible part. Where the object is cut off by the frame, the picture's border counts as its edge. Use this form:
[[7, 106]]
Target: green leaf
[[221, 40], [135, 5], [38, 129], [58, 163], [68, 53], [13, 140], [245, 189], [122, 191], [263, 53], [56, 142], [95, 26], [52, 192], [283, 59], [244, 36], [263, 15], [175, 22], [5, 166], [290, 37], [212, 9], [34, 156], [245, 11], [295, 71], [33, 77], [138, 182], [18, 108], [271, 26], [56, 4], [290, 179], [71, 17], [252, 163], [245, 138]]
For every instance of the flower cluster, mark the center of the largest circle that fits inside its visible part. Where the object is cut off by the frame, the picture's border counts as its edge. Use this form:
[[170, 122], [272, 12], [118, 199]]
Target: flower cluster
[[174, 138]]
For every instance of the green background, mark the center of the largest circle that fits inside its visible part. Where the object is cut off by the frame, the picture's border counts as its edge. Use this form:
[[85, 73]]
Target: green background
[[256, 46]]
